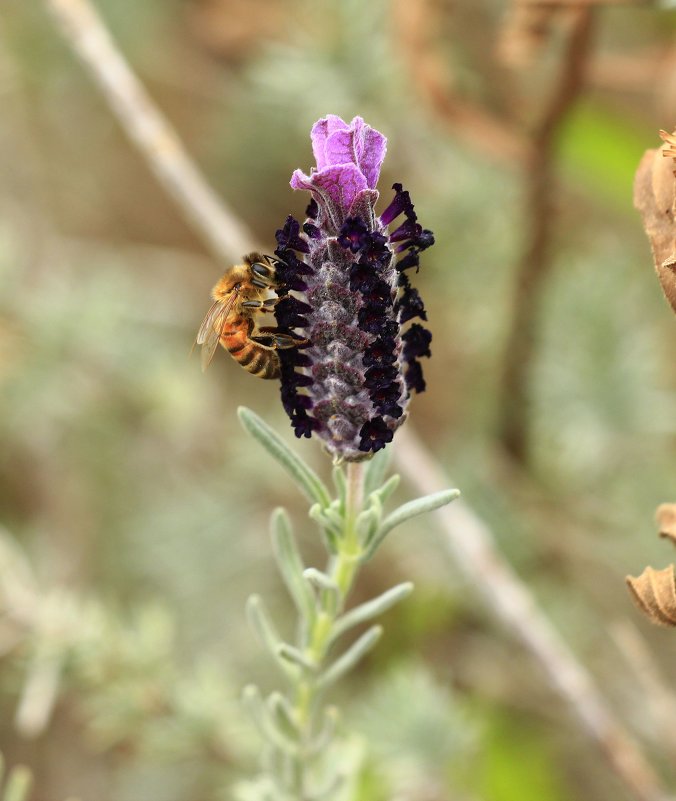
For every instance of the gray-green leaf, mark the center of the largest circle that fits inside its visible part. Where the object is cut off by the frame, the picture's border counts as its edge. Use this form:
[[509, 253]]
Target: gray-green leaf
[[428, 503], [258, 709], [349, 659], [306, 478], [261, 622], [290, 564], [370, 609]]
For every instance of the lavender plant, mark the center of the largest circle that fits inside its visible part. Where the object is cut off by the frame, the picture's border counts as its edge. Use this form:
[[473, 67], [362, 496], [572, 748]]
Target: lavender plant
[[346, 293], [355, 379]]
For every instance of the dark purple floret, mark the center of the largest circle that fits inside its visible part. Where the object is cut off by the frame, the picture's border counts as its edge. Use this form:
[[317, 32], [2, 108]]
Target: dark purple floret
[[312, 210], [303, 424], [292, 400], [303, 361], [291, 274], [299, 379], [381, 351], [424, 240], [386, 392], [400, 205], [379, 293], [411, 305], [289, 312], [407, 230], [350, 383], [416, 342], [362, 277], [380, 376], [375, 435], [290, 271], [414, 376], [311, 230], [410, 260], [289, 238], [376, 251], [390, 407], [353, 234], [370, 318]]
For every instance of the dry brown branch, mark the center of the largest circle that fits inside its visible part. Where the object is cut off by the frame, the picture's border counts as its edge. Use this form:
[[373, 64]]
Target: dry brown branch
[[642, 71], [539, 217], [415, 34], [469, 540], [472, 545], [525, 31], [585, 3], [149, 130]]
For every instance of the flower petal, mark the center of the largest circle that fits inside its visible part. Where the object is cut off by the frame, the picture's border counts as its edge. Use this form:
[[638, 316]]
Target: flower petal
[[336, 186], [320, 132], [375, 147], [359, 144], [335, 142]]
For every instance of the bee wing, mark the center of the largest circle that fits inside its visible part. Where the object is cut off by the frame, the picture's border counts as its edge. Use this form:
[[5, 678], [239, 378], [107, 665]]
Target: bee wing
[[212, 327]]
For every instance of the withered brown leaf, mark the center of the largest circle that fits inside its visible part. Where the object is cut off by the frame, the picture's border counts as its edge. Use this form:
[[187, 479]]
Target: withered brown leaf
[[666, 520], [655, 594], [655, 198]]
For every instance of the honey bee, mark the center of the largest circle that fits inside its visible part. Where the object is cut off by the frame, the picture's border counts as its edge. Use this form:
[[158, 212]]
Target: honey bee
[[239, 298]]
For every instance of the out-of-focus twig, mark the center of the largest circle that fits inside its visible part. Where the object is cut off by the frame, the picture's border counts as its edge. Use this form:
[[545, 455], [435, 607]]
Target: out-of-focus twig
[[532, 153], [149, 130], [539, 217], [472, 545], [653, 688], [476, 126], [468, 538], [588, 3]]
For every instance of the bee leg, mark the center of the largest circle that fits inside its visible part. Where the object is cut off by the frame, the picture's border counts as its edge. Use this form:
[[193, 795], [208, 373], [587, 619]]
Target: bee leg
[[263, 305], [269, 304], [272, 339], [276, 260]]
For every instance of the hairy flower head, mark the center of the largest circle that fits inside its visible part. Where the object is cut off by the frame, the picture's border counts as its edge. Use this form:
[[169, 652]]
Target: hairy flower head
[[351, 384]]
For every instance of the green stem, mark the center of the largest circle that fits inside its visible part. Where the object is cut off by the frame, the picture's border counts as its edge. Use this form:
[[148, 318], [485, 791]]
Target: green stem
[[354, 500], [343, 568]]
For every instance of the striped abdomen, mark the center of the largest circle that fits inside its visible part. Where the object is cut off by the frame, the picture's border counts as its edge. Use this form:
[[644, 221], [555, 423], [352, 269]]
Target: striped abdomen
[[254, 357]]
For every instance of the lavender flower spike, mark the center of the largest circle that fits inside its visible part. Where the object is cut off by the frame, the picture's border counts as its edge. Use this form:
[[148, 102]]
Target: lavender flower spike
[[351, 384]]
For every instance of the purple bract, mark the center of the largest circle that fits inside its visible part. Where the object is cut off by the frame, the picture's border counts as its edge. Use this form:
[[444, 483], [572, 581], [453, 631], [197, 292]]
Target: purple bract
[[351, 384]]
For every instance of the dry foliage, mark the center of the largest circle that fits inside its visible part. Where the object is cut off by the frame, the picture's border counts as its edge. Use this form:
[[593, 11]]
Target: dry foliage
[[655, 198], [655, 590], [666, 520], [655, 593]]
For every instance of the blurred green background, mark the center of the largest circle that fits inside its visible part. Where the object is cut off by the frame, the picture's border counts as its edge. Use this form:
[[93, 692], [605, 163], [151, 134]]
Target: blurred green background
[[134, 510]]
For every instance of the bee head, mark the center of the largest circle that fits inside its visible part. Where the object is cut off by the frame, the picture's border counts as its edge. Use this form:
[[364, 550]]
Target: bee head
[[235, 279]]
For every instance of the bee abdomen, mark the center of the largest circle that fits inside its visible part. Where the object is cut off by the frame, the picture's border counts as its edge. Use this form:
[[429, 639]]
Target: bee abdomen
[[265, 364], [253, 357]]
